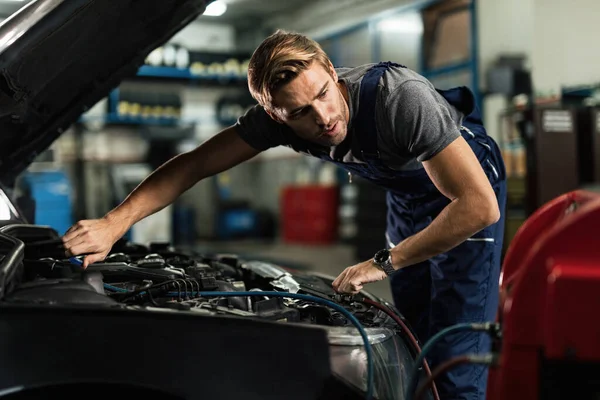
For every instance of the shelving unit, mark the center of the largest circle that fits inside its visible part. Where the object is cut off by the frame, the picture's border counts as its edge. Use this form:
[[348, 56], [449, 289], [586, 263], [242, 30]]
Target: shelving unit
[[149, 71], [141, 104], [115, 119], [171, 74]]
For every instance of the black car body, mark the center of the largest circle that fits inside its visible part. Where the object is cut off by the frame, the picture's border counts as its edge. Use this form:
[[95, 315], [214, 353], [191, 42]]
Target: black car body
[[136, 324]]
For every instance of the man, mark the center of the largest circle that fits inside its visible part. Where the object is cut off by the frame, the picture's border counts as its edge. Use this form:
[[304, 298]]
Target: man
[[443, 174]]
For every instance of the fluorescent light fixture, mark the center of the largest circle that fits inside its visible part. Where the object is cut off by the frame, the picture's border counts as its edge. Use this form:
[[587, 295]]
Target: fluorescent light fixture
[[215, 8], [402, 24]]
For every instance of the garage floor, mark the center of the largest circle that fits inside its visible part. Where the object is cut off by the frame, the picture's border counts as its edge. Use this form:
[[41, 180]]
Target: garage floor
[[326, 259]]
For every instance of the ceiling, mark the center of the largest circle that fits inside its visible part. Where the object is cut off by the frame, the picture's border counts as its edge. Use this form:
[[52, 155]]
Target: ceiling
[[299, 15], [240, 13], [253, 13]]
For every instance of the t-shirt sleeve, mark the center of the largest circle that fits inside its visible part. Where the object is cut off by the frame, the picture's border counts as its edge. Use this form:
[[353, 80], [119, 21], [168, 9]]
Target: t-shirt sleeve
[[259, 130], [421, 120]]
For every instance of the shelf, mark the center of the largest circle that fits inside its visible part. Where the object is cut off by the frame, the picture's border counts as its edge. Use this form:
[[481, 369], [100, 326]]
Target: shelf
[[149, 71], [115, 119]]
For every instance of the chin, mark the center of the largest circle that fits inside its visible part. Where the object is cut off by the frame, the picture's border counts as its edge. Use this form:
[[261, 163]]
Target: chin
[[336, 140]]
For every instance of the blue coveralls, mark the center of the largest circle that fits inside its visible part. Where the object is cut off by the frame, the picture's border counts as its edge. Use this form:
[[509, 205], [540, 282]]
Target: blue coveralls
[[460, 285]]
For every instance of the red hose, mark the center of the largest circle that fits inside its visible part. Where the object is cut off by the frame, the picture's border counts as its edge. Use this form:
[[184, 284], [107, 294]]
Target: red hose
[[411, 337], [440, 370]]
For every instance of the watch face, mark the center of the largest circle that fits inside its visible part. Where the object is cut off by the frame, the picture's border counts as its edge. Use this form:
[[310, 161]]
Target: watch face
[[381, 256]]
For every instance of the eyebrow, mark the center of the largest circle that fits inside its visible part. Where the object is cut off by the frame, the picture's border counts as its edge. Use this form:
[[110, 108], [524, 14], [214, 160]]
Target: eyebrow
[[295, 110]]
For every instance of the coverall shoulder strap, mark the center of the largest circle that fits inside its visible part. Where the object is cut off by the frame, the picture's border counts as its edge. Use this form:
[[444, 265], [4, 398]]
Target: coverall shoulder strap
[[365, 120], [463, 99]]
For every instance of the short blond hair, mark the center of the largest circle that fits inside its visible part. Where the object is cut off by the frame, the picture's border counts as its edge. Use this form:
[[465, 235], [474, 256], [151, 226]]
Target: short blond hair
[[280, 58]]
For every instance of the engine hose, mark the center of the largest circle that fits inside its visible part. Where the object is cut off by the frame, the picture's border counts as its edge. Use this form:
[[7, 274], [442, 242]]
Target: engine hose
[[414, 376], [487, 359], [318, 300], [410, 336], [115, 289], [331, 304]]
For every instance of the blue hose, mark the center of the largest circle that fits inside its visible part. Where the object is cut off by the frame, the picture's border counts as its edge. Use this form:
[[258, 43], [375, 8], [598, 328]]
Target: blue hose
[[314, 299], [115, 289], [414, 376], [76, 261], [335, 306]]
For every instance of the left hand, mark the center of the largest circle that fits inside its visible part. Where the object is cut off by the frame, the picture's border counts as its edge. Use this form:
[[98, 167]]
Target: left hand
[[352, 279]]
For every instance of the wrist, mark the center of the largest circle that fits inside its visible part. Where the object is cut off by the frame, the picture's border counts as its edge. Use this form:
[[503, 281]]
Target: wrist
[[383, 260], [118, 220]]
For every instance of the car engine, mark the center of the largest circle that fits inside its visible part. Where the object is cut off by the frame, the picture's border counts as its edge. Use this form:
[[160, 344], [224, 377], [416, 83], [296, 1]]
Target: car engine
[[35, 271], [159, 275]]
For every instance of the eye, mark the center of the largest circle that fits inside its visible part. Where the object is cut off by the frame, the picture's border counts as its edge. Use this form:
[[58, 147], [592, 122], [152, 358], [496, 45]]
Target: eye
[[299, 113], [323, 94]]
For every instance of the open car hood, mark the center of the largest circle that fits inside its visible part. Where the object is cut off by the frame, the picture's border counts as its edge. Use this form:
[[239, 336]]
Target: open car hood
[[60, 57]]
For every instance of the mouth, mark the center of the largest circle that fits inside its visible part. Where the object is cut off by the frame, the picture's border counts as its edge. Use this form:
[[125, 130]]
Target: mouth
[[330, 132]]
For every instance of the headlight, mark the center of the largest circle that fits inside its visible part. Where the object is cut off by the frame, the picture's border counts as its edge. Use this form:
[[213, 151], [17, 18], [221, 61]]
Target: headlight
[[392, 360]]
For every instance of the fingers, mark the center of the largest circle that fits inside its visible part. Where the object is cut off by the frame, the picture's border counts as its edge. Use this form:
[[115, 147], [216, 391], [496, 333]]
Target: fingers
[[87, 237], [74, 231], [336, 283], [92, 258], [83, 240], [352, 285], [81, 248], [78, 245], [349, 281]]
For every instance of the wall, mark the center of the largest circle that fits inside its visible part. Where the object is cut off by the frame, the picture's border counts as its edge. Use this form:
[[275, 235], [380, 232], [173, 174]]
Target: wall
[[325, 17], [565, 43], [207, 36], [559, 38], [504, 27]]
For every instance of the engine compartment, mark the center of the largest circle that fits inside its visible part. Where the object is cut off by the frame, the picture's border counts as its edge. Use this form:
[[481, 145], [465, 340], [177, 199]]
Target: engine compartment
[[159, 275], [156, 280]]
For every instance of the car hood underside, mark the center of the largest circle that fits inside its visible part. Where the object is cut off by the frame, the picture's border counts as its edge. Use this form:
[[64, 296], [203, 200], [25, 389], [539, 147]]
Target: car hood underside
[[58, 58]]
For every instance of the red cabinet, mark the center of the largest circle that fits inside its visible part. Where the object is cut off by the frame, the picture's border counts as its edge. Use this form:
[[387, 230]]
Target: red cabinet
[[309, 214]]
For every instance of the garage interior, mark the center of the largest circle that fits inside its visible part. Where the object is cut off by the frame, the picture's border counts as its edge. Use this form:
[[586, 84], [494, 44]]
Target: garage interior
[[532, 66], [529, 63]]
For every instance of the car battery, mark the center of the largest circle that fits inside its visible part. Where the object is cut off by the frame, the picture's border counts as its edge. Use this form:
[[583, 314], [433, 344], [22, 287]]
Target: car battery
[[52, 192]]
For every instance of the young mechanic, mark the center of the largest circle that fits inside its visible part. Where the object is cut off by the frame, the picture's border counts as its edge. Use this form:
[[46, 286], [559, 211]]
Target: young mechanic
[[444, 177]]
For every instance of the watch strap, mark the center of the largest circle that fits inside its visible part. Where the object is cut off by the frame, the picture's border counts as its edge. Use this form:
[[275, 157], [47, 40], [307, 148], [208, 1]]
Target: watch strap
[[386, 264]]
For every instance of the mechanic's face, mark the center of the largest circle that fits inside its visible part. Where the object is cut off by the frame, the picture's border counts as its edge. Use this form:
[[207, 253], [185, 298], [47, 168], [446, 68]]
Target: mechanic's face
[[314, 106]]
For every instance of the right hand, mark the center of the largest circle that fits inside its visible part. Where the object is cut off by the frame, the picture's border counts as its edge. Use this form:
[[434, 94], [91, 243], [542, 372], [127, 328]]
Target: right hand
[[94, 237]]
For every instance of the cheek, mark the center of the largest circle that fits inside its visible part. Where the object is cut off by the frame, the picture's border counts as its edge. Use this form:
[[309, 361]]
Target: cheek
[[336, 105], [302, 127]]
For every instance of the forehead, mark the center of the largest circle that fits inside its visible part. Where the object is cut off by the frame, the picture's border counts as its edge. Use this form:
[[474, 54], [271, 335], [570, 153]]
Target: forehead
[[303, 89]]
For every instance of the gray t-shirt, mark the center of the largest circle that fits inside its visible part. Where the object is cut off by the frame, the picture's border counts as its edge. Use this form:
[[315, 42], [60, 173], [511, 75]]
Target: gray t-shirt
[[414, 122]]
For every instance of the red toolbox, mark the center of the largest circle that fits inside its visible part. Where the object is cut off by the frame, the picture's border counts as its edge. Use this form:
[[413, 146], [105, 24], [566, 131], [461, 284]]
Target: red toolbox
[[309, 214]]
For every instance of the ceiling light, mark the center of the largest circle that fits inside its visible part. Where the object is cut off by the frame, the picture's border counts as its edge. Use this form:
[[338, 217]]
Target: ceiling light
[[215, 8], [402, 24]]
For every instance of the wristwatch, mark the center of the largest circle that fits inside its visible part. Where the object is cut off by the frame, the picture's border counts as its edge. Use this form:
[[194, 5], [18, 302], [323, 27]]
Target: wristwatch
[[383, 259]]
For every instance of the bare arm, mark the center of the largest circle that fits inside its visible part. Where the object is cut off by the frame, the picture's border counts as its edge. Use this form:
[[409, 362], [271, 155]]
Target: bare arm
[[457, 174], [96, 237]]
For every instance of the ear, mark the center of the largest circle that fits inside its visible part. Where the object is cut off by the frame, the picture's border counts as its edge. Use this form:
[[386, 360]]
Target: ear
[[273, 115], [332, 71]]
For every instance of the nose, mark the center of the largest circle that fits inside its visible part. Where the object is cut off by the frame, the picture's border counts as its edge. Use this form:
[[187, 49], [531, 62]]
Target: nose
[[322, 117]]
